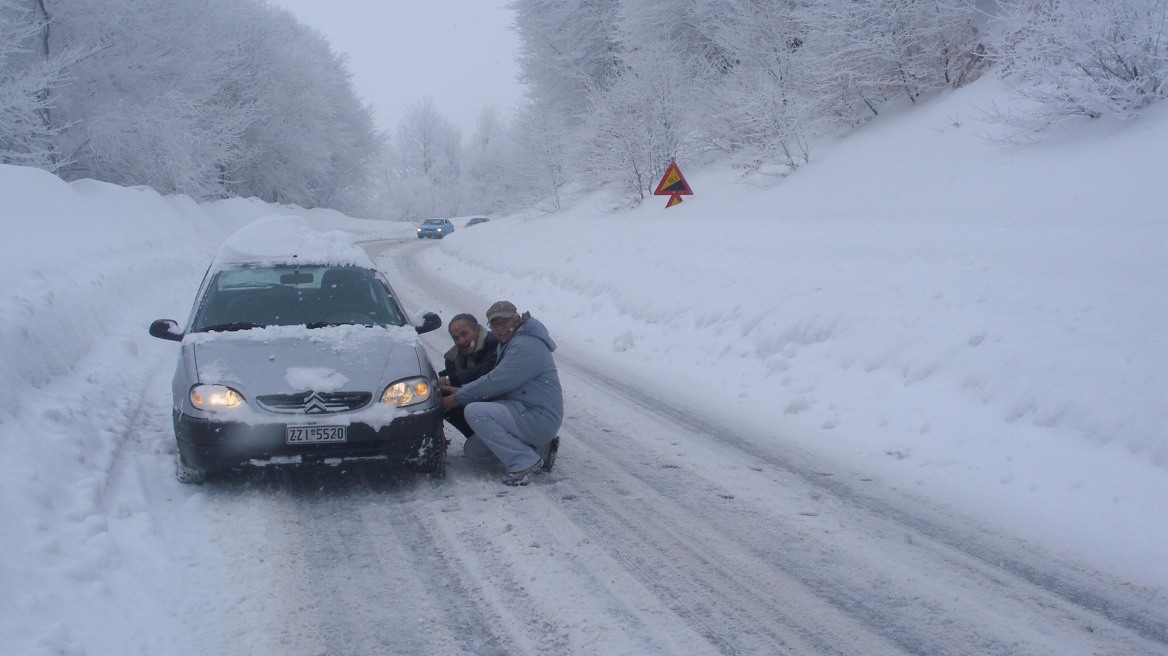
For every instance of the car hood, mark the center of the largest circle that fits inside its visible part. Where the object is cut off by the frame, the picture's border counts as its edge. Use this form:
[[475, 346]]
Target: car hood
[[293, 359]]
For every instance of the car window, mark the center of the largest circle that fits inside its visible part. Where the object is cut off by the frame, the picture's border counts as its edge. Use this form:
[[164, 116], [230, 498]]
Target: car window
[[437, 222], [314, 296]]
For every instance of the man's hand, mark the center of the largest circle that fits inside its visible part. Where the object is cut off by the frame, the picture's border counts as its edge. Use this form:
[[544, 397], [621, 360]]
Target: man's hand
[[449, 402]]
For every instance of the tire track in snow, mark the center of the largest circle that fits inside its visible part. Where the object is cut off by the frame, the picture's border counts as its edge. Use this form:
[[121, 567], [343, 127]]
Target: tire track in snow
[[706, 570], [868, 567], [559, 592], [736, 606], [966, 543], [381, 580]]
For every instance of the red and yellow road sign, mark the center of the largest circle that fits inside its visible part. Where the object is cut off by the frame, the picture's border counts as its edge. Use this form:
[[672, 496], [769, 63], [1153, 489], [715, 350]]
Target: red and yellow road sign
[[673, 184]]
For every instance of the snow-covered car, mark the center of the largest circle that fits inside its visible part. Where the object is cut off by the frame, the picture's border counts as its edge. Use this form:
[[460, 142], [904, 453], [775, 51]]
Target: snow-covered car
[[435, 228], [297, 348], [476, 220]]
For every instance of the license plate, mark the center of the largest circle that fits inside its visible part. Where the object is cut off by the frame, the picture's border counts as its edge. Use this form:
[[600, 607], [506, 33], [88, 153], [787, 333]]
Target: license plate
[[315, 434]]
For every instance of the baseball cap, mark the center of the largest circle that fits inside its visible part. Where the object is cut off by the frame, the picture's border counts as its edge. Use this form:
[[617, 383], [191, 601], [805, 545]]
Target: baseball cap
[[501, 309]]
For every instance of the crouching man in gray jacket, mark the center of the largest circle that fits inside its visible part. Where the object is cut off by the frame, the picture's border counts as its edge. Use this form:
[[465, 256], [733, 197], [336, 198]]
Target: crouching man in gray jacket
[[517, 407]]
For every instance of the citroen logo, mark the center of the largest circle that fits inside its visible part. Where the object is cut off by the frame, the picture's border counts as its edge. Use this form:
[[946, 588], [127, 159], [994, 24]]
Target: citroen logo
[[314, 405]]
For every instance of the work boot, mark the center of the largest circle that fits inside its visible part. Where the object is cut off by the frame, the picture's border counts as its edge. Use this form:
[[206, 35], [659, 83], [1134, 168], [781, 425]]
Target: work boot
[[521, 477], [549, 461]]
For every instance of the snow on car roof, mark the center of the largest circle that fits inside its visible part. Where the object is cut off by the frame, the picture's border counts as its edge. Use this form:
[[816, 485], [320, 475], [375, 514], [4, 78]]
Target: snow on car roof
[[286, 240]]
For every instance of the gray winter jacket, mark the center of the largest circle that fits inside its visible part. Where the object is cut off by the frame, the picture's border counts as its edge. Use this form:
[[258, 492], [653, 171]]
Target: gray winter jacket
[[525, 380]]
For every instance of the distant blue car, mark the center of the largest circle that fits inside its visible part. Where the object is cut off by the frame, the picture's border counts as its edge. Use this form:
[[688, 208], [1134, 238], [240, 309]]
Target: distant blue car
[[435, 228]]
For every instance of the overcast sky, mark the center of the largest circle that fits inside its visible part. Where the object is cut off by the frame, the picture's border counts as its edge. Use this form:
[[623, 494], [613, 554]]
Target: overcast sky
[[461, 53]]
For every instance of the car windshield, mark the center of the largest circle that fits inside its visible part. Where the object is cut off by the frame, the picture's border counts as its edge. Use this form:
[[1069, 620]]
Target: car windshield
[[313, 296], [434, 222]]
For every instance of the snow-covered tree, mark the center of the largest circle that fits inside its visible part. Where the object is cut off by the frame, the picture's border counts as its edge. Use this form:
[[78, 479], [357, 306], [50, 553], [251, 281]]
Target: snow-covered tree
[[762, 100], [638, 124], [29, 78], [138, 110], [428, 144], [1085, 58], [541, 155], [215, 98], [688, 25], [314, 143], [568, 50], [769, 76], [427, 168], [485, 163], [863, 53]]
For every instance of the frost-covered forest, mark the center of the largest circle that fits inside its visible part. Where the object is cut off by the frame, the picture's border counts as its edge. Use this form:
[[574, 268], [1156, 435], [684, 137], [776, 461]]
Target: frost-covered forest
[[228, 98], [214, 98]]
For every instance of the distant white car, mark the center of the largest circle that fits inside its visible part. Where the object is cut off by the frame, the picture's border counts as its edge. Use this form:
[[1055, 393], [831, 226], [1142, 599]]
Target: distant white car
[[477, 220], [297, 348]]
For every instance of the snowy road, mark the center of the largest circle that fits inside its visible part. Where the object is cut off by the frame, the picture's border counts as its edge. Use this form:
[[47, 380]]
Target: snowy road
[[663, 530]]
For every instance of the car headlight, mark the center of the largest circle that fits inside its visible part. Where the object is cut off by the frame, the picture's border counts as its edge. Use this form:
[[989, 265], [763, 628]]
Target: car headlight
[[215, 398], [411, 391]]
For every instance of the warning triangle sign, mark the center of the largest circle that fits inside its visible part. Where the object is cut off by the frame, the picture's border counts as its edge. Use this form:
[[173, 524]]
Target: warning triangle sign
[[673, 183]]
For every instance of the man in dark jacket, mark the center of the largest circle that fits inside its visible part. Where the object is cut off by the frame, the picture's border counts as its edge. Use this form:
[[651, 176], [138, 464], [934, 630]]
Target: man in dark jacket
[[516, 408], [472, 355]]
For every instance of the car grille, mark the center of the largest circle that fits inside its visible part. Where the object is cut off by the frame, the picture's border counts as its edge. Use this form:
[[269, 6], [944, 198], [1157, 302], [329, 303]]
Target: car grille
[[315, 403]]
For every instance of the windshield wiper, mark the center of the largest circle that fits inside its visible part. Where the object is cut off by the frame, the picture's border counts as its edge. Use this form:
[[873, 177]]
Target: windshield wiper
[[326, 324], [252, 285], [229, 327]]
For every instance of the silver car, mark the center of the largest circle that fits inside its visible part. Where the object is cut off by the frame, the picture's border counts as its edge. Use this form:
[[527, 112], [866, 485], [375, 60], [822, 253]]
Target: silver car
[[297, 348]]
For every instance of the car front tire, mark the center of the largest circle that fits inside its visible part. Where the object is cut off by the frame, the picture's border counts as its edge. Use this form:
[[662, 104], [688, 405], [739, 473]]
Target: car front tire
[[188, 475], [434, 463]]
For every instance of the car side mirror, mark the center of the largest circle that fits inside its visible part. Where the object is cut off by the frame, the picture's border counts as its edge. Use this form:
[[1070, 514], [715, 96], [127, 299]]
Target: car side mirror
[[166, 329], [430, 321]]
